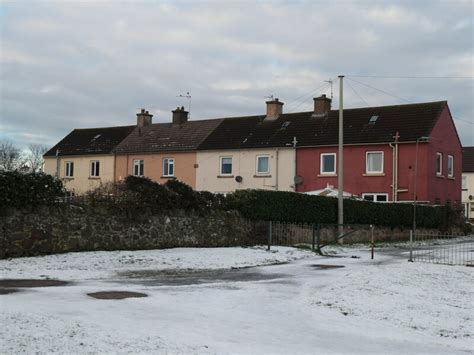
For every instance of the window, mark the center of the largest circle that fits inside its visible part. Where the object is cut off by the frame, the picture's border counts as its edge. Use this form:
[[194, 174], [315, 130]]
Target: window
[[226, 166], [439, 163], [138, 167], [263, 164], [375, 197], [69, 169], [373, 119], [464, 182], [95, 168], [374, 162], [450, 166], [168, 167], [328, 163]]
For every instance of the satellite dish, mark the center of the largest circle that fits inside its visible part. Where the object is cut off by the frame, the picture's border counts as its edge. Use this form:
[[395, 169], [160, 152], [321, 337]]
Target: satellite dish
[[298, 180], [238, 178], [471, 197]]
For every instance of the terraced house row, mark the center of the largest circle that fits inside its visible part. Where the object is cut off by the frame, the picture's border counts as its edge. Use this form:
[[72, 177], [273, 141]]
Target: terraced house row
[[388, 152]]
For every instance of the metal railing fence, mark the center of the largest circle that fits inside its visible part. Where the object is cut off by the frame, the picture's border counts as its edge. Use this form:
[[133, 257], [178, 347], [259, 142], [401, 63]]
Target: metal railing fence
[[316, 236], [441, 248]]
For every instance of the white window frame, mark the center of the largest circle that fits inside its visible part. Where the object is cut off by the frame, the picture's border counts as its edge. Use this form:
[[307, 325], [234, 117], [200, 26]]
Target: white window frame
[[137, 163], [440, 171], [94, 168], [321, 160], [256, 164], [367, 162], [375, 194], [68, 172], [170, 162], [231, 165], [450, 162], [464, 183]]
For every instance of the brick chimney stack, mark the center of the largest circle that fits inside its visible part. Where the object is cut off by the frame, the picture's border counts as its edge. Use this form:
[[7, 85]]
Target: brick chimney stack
[[143, 118], [274, 109], [180, 115], [322, 106]]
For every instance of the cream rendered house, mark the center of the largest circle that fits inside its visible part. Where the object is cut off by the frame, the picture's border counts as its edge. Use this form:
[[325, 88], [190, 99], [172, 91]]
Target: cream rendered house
[[224, 171], [253, 152], [468, 181], [83, 159]]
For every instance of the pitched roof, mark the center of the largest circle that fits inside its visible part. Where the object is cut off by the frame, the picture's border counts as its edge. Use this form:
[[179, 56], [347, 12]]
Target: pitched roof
[[167, 137], [90, 141], [411, 121], [468, 160]]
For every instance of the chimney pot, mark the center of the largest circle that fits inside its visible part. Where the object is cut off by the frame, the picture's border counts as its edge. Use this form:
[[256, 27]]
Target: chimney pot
[[143, 118], [274, 109], [180, 115], [322, 106]]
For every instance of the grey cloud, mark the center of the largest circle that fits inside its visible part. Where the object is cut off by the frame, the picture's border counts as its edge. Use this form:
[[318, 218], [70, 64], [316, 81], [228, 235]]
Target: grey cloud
[[86, 64]]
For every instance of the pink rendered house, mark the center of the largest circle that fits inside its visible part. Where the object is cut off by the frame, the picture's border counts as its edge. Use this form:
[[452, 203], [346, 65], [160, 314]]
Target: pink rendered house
[[385, 150]]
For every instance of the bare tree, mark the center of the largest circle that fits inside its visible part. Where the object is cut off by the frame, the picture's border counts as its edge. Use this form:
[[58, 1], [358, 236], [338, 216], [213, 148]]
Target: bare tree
[[10, 156], [34, 156]]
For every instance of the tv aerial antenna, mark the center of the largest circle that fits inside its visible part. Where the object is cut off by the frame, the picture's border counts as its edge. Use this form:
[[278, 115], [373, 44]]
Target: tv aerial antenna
[[188, 97], [330, 82]]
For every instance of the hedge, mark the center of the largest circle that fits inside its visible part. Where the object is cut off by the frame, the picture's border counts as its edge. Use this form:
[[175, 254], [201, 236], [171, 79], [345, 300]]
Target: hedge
[[300, 208], [174, 194], [33, 189], [20, 190]]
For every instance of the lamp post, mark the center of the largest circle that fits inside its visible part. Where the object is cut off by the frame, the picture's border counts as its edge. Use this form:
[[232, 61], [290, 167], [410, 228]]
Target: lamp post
[[340, 168], [424, 139]]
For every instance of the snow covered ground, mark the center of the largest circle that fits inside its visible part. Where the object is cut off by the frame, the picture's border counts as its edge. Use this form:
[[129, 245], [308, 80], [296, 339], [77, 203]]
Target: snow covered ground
[[103, 264], [384, 306]]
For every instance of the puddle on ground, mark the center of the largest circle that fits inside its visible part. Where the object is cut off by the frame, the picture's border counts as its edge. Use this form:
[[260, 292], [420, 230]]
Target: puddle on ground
[[195, 277], [6, 291], [13, 283], [325, 266], [116, 295]]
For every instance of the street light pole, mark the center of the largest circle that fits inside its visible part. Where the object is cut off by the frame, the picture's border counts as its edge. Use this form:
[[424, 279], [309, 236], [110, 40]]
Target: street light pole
[[340, 172]]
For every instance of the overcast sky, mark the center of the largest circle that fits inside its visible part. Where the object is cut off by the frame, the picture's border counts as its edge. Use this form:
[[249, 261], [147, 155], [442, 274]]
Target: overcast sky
[[77, 64]]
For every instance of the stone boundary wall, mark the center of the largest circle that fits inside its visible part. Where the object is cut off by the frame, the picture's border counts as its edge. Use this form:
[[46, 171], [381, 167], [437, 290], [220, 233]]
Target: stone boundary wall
[[72, 228]]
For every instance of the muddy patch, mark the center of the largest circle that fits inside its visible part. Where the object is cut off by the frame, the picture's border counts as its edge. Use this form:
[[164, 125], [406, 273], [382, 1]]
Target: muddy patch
[[15, 283], [195, 277], [6, 291], [325, 266], [116, 295]]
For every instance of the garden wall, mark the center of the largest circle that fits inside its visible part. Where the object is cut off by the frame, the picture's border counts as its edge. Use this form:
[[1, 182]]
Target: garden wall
[[71, 228]]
